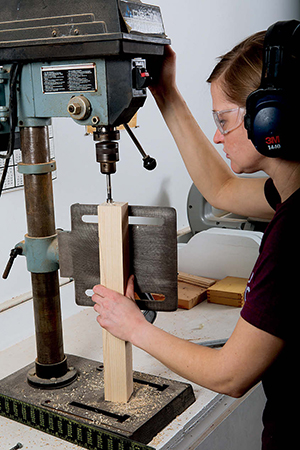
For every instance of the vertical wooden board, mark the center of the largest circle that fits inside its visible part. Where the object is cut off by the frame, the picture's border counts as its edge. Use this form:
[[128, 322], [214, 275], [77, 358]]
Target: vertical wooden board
[[118, 374], [114, 245], [114, 271]]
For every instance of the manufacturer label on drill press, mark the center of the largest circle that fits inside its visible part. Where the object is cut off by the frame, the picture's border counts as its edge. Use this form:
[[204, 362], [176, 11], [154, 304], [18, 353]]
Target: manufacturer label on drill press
[[72, 78], [141, 17]]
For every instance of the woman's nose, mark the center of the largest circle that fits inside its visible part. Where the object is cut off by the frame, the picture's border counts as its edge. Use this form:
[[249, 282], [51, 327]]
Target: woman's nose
[[218, 137]]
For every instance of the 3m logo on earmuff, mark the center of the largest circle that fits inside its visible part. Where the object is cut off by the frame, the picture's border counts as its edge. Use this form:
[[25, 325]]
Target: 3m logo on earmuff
[[273, 142]]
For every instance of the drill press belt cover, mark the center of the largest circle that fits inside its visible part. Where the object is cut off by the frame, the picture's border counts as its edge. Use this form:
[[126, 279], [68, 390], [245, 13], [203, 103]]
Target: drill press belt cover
[[36, 31]]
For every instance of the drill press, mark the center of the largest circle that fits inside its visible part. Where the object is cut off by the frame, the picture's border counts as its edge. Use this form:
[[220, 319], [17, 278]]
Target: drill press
[[92, 65]]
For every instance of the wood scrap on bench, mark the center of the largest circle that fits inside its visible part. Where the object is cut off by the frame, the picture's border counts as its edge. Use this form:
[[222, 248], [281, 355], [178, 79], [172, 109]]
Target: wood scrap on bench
[[229, 291], [192, 289]]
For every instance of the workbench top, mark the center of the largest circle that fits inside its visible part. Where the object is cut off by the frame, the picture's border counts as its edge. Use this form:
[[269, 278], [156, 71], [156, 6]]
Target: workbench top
[[83, 337]]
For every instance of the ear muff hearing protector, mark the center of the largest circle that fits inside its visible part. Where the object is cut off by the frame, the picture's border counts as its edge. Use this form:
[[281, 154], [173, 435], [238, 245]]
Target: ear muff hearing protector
[[271, 110]]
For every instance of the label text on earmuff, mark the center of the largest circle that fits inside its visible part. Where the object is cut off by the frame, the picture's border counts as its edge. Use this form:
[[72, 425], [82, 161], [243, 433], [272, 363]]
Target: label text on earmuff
[[273, 142]]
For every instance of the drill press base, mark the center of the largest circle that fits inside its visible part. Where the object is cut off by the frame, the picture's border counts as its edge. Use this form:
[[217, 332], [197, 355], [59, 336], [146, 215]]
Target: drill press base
[[78, 412]]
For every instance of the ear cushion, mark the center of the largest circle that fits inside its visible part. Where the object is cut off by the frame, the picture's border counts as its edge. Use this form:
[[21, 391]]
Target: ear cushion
[[265, 120]]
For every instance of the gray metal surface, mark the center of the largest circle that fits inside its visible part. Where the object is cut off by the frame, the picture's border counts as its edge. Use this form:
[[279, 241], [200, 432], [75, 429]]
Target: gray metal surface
[[38, 30], [202, 215], [33, 102], [153, 254]]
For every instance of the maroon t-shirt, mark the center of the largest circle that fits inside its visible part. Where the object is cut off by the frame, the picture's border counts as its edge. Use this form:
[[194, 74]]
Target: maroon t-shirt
[[272, 300]]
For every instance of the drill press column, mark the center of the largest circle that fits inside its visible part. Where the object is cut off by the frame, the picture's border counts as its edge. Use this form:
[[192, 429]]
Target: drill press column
[[51, 361]]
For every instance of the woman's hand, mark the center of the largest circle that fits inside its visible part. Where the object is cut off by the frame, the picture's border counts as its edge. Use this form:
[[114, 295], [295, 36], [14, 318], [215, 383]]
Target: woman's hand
[[118, 314], [167, 79]]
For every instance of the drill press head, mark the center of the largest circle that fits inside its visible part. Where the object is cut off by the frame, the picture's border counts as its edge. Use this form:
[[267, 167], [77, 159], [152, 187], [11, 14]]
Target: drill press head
[[66, 39], [90, 61]]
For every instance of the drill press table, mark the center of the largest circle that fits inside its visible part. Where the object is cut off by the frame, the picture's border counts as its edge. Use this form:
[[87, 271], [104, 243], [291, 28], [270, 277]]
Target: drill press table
[[83, 337]]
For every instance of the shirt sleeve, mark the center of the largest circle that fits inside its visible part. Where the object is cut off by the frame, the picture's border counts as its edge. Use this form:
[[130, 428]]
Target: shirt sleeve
[[271, 194]]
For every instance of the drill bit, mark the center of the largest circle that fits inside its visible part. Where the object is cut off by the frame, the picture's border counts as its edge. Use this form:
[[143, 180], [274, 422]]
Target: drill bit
[[108, 189]]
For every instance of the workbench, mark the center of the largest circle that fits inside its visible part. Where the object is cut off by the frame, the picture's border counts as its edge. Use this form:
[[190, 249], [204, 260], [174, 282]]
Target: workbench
[[213, 421]]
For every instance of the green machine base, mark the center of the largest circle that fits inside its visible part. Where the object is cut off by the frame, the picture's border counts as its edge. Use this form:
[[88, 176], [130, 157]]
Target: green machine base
[[79, 414]]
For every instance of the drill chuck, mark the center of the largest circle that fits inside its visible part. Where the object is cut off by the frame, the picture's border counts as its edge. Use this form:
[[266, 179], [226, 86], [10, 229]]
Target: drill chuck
[[107, 154]]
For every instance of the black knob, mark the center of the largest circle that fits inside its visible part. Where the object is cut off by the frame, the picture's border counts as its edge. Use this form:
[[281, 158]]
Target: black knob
[[149, 163]]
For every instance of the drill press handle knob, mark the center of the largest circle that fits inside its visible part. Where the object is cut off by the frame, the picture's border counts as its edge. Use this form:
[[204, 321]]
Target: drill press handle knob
[[149, 163]]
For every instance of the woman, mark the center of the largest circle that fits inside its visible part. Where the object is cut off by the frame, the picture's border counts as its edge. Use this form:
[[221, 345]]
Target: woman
[[263, 343]]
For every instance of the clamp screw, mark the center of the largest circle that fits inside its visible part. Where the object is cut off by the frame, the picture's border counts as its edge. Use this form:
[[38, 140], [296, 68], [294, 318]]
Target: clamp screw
[[13, 254]]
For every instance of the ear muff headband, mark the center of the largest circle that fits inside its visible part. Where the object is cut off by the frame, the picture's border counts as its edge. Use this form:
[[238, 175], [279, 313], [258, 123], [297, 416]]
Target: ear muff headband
[[269, 117]]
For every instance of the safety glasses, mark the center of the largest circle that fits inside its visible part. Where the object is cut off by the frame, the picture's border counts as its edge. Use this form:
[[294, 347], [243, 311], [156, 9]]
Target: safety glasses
[[228, 119]]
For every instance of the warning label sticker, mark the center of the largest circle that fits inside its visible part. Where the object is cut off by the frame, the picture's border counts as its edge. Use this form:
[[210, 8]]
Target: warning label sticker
[[73, 78]]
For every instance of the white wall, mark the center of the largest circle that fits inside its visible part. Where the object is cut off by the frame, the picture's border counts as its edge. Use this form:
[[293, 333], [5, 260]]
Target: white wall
[[200, 31]]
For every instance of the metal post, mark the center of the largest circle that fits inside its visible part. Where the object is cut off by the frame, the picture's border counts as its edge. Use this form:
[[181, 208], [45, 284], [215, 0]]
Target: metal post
[[51, 361]]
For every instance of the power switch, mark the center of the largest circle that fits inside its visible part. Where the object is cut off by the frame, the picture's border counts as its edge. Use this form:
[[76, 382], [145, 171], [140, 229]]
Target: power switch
[[140, 75]]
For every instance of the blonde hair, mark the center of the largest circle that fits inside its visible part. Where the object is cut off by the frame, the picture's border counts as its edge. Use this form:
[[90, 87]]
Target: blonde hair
[[239, 71]]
